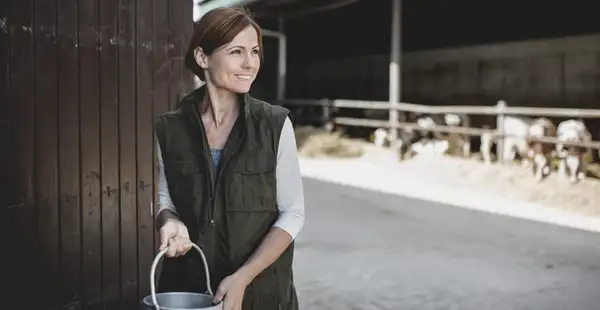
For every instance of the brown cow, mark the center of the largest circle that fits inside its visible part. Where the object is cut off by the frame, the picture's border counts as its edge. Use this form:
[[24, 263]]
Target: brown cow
[[540, 153]]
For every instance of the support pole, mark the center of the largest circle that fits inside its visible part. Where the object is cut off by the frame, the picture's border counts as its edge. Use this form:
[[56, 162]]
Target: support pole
[[281, 58], [282, 61], [395, 68]]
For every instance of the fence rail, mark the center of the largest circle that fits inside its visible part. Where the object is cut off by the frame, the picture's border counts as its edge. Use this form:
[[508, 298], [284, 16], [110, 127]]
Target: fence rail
[[500, 110], [419, 108]]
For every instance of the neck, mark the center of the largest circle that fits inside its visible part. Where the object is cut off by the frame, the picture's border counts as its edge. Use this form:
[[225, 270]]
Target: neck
[[218, 104]]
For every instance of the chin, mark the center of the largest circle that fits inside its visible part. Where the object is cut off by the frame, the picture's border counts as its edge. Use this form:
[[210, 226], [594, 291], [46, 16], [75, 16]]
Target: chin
[[240, 89]]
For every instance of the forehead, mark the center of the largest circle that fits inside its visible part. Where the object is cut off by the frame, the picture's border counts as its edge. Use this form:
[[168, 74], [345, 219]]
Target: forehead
[[248, 38]]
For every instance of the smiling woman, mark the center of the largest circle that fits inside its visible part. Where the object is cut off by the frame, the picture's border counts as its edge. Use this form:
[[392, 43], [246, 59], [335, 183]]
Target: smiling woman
[[228, 39], [229, 177]]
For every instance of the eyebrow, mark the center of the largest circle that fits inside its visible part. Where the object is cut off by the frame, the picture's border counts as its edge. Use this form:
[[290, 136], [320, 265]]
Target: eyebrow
[[239, 46]]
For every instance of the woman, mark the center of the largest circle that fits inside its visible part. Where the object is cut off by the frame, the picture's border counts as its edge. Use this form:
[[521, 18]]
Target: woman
[[229, 176]]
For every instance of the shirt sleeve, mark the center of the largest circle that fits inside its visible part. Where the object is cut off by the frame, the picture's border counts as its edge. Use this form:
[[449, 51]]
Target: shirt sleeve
[[290, 192], [164, 198]]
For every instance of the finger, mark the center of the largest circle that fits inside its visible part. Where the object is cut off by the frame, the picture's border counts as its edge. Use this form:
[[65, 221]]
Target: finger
[[172, 251], [162, 246], [180, 246], [219, 294], [187, 245], [164, 240]]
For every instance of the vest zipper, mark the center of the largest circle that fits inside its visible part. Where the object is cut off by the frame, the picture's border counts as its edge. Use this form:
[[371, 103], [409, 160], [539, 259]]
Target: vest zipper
[[216, 188]]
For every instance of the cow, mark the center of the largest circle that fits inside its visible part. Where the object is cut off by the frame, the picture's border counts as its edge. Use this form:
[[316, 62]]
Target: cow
[[430, 121], [540, 153], [403, 145], [572, 159], [407, 138], [516, 129], [381, 137]]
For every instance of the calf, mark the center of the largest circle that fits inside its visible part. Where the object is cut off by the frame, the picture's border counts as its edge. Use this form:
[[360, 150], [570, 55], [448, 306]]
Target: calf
[[381, 137], [407, 138], [572, 158], [463, 140], [403, 145], [428, 121], [515, 143], [540, 153]]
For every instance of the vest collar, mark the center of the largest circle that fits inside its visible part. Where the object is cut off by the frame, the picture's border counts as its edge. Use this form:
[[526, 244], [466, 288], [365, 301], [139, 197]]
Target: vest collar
[[191, 101], [189, 110]]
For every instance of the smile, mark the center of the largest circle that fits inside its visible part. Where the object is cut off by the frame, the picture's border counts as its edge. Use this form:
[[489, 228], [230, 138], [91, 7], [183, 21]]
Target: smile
[[243, 76]]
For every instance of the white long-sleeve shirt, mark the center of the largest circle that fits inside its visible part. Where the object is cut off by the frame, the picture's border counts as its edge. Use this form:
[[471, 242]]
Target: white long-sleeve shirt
[[290, 193]]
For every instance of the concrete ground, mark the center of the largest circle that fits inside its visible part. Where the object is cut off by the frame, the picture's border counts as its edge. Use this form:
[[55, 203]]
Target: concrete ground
[[366, 250]]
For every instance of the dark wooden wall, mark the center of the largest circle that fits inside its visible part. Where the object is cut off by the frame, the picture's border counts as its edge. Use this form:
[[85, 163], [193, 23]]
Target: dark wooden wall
[[551, 72], [81, 84], [561, 72]]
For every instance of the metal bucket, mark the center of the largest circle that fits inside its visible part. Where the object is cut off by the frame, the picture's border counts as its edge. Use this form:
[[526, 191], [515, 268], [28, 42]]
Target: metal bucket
[[179, 300]]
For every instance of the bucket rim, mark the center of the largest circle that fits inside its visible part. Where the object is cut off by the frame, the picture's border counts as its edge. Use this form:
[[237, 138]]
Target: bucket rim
[[147, 300], [157, 259]]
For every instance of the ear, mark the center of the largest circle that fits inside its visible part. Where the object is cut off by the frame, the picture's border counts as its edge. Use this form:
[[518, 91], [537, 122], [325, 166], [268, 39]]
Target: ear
[[201, 58]]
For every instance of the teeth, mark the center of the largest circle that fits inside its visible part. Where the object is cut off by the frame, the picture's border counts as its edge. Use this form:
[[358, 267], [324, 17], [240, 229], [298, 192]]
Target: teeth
[[243, 77]]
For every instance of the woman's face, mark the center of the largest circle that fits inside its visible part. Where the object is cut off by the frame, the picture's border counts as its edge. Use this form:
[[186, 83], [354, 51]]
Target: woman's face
[[233, 67]]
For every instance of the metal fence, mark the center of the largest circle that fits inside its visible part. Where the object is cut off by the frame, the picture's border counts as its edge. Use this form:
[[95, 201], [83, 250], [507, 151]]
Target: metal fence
[[500, 111]]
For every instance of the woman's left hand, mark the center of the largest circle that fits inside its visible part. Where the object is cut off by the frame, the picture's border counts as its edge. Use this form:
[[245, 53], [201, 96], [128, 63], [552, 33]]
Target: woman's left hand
[[231, 291]]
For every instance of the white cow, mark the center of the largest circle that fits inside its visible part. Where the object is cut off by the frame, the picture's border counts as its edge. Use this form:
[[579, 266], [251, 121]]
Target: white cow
[[381, 137], [572, 158], [517, 129], [540, 153]]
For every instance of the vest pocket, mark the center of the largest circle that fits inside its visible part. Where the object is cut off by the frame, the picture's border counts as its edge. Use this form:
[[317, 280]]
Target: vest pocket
[[187, 187], [252, 190]]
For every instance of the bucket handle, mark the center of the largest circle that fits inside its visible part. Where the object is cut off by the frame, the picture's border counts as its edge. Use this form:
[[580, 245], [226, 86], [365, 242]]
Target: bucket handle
[[153, 273]]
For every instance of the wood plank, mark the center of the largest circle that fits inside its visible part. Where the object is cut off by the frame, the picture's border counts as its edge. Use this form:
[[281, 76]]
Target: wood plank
[[145, 138], [187, 27], [580, 80], [22, 127], [127, 154], [68, 155], [161, 57], [46, 155], [9, 215], [7, 158], [90, 156], [491, 80], [11, 277], [516, 80], [109, 145], [176, 52], [546, 86], [4, 62], [161, 74]]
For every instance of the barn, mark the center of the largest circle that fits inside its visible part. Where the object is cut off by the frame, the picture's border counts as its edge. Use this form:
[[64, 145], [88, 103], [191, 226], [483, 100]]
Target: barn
[[82, 82]]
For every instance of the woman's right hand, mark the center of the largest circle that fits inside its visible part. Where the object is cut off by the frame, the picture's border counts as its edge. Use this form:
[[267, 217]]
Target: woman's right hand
[[175, 236]]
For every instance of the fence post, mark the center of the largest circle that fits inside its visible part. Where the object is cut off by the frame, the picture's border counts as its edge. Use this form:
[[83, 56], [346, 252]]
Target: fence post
[[327, 120], [500, 114]]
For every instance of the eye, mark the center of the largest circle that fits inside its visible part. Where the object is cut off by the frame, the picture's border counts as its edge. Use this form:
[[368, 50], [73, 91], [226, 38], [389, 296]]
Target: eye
[[256, 51], [236, 51]]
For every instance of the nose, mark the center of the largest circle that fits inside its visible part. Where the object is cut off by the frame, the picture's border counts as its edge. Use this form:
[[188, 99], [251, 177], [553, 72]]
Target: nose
[[250, 61]]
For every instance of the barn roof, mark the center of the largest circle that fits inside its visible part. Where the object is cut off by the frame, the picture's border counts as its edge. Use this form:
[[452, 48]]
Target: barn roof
[[278, 8]]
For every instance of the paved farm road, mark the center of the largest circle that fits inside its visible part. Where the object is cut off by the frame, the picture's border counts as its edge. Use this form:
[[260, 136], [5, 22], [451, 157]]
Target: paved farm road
[[364, 250]]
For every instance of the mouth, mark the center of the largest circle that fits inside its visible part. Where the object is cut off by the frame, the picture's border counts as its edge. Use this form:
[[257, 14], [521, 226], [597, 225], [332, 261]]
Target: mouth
[[243, 76]]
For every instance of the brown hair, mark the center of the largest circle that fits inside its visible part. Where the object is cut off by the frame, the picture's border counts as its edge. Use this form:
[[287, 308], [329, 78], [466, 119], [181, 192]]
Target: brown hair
[[216, 28]]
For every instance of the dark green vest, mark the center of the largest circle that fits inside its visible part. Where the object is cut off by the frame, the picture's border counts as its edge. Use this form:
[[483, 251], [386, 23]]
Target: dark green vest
[[230, 209]]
